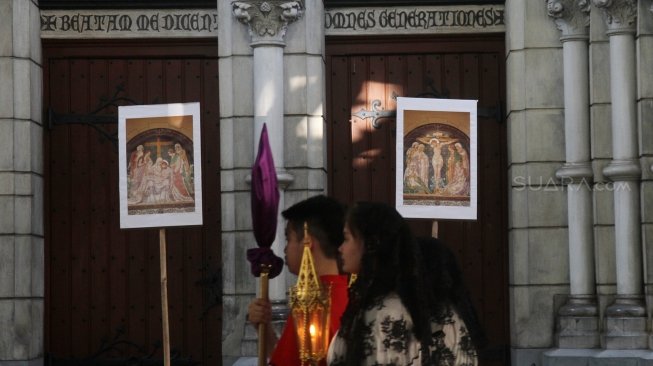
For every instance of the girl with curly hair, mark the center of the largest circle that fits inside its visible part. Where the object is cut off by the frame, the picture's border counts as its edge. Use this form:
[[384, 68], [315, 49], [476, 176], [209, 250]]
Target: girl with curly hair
[[393, 316]]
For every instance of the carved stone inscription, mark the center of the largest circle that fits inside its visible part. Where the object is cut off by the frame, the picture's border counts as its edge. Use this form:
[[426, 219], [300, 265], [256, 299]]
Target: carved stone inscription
[[444, 19], [129, 23]]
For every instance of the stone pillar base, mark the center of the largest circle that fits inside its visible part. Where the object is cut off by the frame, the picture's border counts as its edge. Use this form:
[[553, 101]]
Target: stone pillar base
[[578, 332], [280, 310], [626, 340], [596, 357], [249, 345], [625, 325], [578, 323]]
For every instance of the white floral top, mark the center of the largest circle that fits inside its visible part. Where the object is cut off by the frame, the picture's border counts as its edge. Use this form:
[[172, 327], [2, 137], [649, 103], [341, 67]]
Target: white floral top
[[389, 339]]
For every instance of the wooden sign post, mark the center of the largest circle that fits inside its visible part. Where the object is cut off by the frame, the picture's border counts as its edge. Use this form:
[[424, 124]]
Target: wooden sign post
[[164, 297]]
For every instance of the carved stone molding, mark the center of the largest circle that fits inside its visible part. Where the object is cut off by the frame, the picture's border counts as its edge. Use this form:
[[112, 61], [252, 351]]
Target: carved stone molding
[[572, 17], [619, 15], [623, 170], [284, 178], [267, 20], [627, 306], [575, 173], [580, 305]]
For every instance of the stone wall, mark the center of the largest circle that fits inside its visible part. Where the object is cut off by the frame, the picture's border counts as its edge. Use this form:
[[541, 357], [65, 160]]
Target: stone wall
[[236, 125], [539, 268], [21, 185], [539, 244], [645, 122]]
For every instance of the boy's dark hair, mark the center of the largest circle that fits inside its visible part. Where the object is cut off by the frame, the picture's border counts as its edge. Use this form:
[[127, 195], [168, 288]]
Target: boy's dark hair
[[325, 218]]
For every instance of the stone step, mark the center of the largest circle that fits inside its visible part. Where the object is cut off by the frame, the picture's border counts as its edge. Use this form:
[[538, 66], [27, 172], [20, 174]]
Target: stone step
[[597, 357]]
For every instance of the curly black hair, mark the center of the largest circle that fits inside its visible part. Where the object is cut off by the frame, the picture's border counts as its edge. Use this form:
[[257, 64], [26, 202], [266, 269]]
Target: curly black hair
[[445, 279], [390, 264]]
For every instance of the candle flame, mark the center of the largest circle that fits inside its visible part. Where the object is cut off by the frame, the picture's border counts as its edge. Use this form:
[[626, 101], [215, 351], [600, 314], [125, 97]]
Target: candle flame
[[311, 330]]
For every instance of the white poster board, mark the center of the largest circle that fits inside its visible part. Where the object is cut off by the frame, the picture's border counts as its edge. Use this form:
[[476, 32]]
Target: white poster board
[[436, 175], [160, 165]]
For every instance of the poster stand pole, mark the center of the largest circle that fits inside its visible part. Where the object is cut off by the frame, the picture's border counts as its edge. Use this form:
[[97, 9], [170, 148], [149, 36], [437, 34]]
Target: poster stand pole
[[434, 229], [164, 297]]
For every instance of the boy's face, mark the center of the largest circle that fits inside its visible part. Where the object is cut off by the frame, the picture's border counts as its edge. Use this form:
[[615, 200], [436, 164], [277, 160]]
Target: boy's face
[[293, 250]]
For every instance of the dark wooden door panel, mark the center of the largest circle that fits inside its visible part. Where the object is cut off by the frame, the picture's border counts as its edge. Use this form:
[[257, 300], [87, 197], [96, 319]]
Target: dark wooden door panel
[[361, 160], [101, 281]]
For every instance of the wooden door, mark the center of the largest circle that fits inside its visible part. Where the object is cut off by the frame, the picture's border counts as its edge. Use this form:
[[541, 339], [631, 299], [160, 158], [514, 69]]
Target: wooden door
[[102, 295], [361, 157]]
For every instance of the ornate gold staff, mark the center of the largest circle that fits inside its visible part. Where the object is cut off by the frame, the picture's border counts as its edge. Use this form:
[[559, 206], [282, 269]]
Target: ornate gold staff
[[310, 304], [262, 327]]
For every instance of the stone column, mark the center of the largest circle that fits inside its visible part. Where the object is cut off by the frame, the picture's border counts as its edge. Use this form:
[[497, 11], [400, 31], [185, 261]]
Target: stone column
[[21, 185], [577, 323], [268, 22], [625, 325]]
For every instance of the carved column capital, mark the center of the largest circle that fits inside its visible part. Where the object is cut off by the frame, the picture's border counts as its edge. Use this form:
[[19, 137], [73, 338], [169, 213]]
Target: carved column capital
[[572, 17], [619, 15], [267, 20]]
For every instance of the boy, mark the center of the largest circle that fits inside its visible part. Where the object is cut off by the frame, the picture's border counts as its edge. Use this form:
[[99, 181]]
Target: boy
[[325, 218]]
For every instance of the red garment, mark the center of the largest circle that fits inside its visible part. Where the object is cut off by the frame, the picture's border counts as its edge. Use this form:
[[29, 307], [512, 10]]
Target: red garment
[[286, 353]]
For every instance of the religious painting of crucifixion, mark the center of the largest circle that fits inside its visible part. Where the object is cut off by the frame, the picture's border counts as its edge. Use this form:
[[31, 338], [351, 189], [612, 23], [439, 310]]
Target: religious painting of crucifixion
[[436, 158], [160, 165]]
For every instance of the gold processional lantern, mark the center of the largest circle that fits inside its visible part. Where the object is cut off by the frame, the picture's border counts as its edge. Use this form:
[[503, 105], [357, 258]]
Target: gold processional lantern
[[310, 303]]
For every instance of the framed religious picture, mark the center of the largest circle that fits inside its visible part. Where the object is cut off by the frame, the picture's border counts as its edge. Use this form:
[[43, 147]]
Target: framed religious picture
[[160, 165], [436, 158]]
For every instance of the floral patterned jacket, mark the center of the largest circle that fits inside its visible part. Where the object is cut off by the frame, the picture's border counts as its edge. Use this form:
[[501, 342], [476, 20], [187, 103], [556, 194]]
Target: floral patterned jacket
[[389, 339]]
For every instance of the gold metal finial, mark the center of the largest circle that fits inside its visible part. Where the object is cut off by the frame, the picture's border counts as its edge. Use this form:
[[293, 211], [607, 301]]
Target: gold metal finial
[[307, 240], [352, 279], [310, 304]]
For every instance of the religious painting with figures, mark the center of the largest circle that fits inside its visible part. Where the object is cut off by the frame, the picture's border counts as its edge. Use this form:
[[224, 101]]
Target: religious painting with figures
[[436, 174], [160, 166]]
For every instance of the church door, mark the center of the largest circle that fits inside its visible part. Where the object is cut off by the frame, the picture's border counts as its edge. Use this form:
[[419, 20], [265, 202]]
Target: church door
[[102, 295], [361, 149]]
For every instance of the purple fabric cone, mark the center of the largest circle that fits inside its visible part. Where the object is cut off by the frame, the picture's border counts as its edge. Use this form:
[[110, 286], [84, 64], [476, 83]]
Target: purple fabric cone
[[264, 256], [265, 205]]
